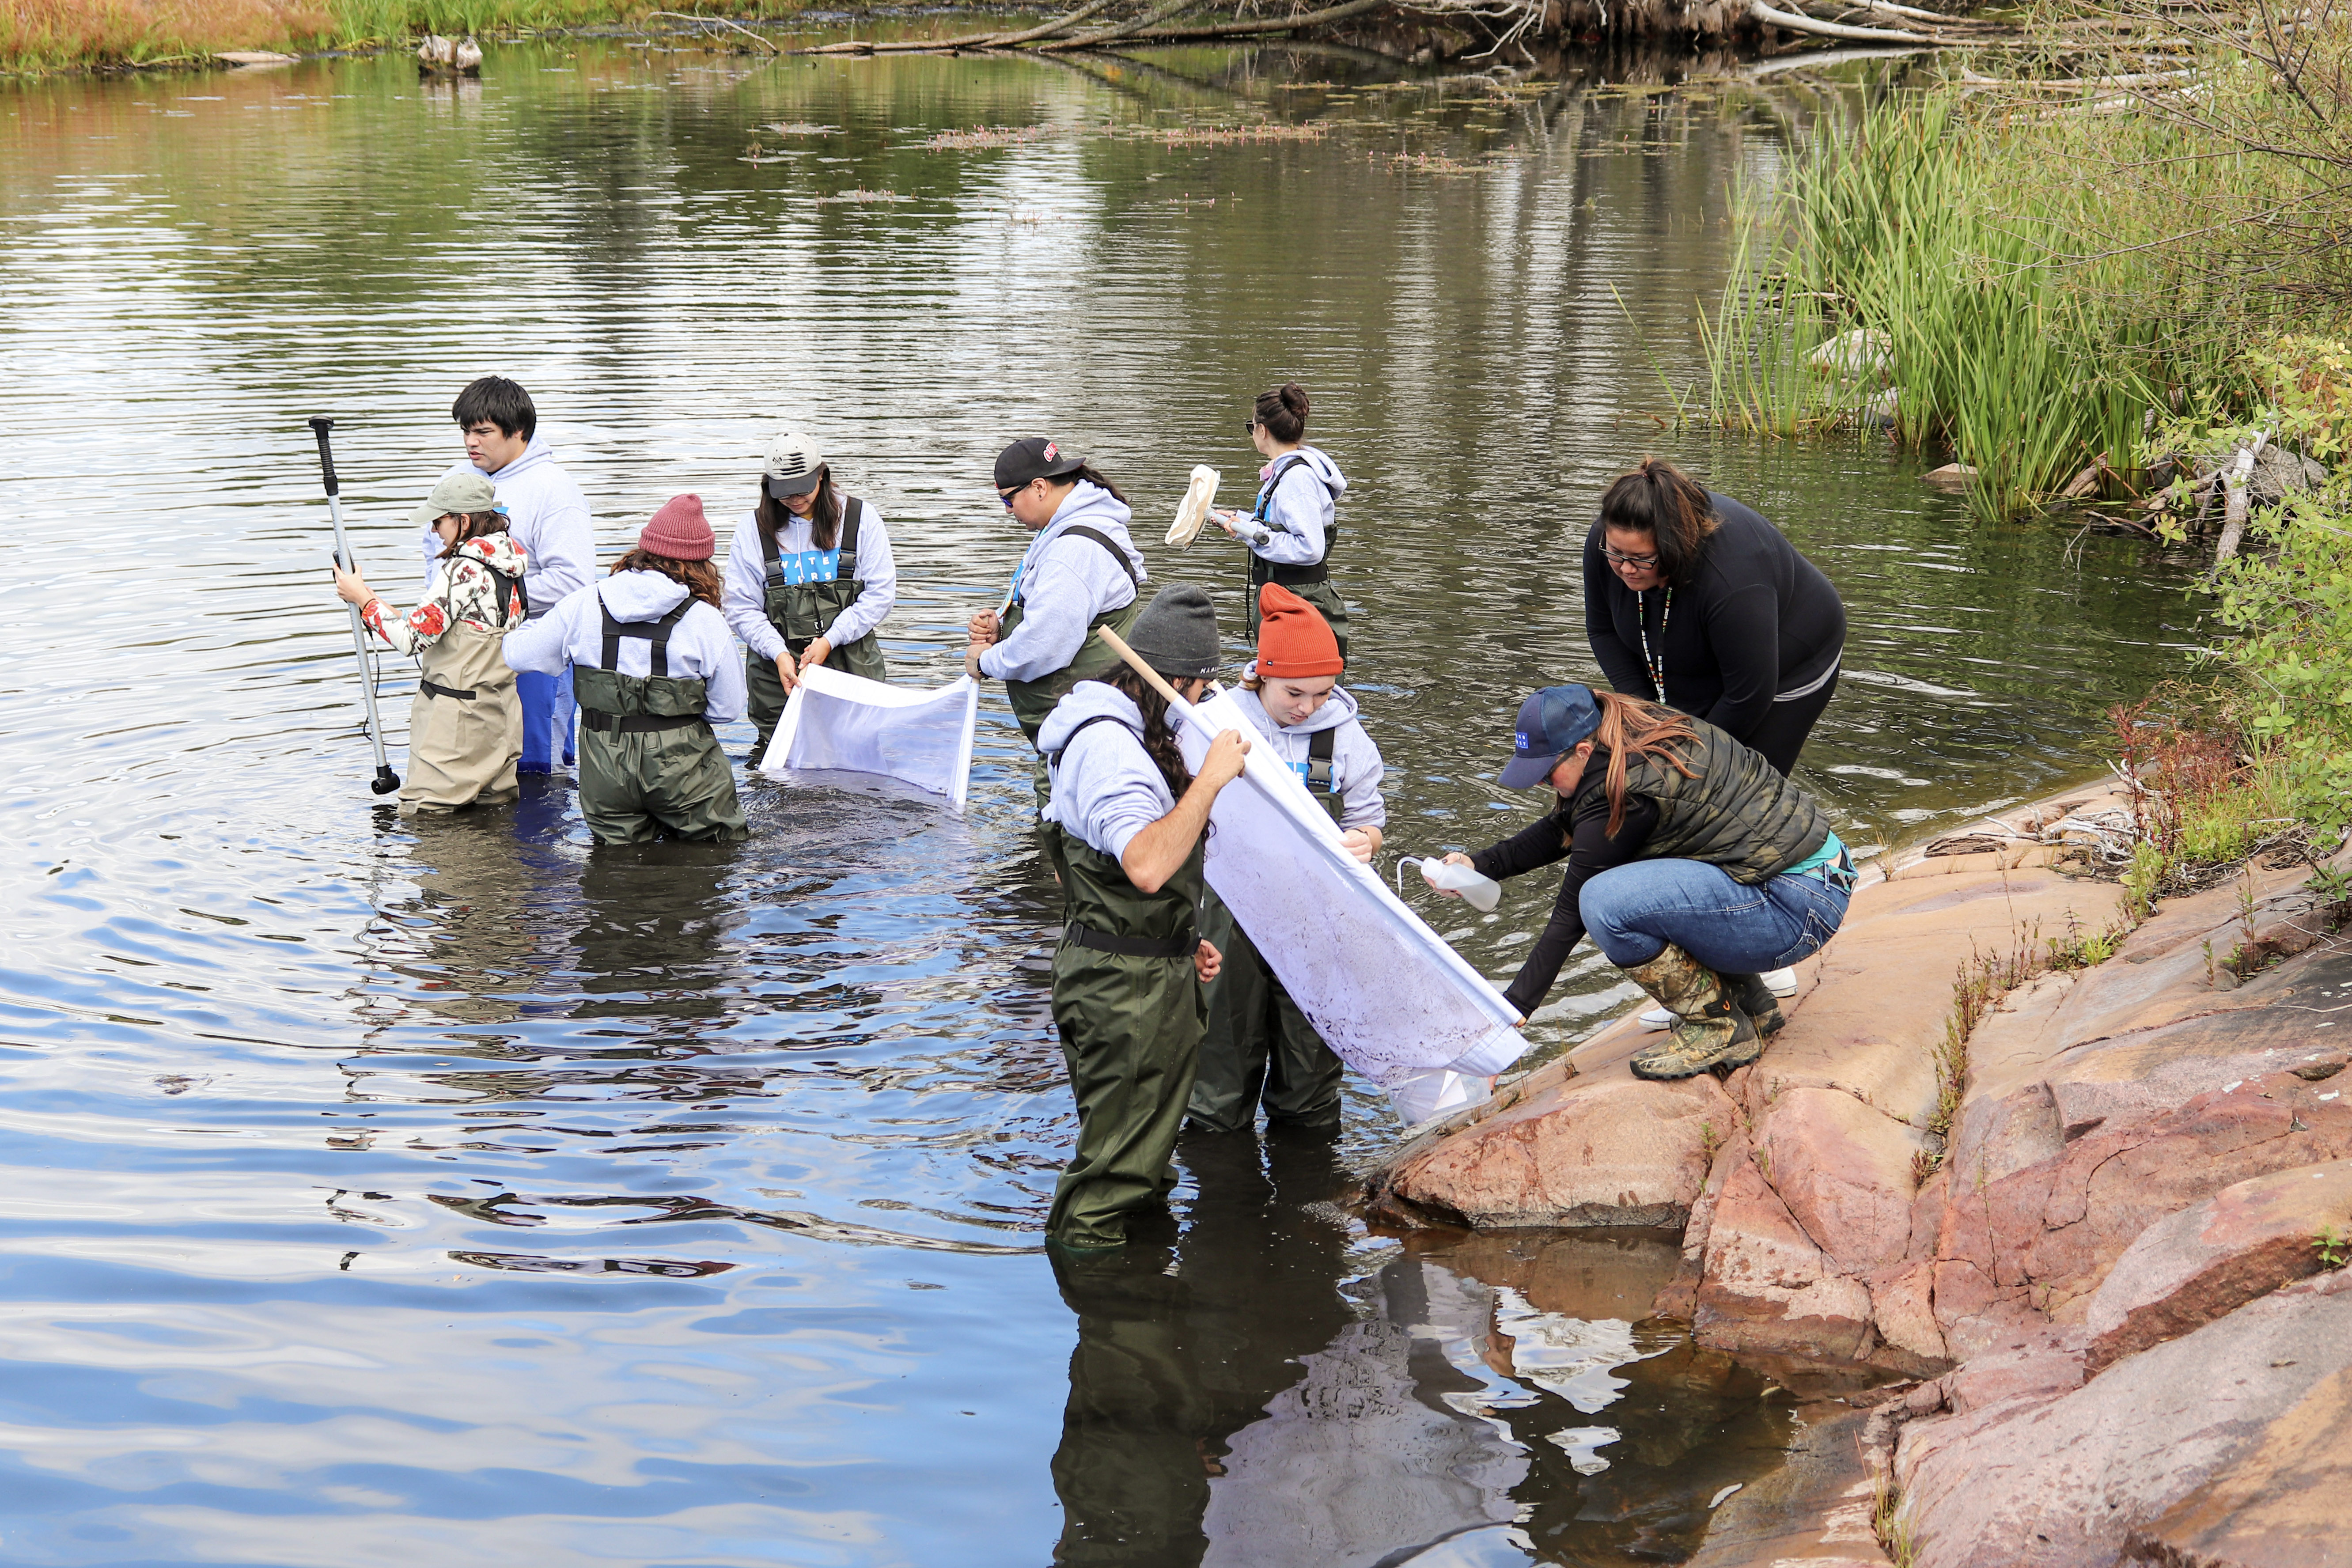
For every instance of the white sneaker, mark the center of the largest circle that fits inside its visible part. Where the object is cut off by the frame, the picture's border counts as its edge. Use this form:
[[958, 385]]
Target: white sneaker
[[1657, 1018], [1781, 982]]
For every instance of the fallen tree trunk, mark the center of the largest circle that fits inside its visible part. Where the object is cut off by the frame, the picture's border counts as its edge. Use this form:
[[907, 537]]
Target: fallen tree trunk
[[1142, 30], [1790, 21]]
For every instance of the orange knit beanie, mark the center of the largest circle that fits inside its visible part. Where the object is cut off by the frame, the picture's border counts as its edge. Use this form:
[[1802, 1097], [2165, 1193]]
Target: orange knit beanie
[[1293, 640]]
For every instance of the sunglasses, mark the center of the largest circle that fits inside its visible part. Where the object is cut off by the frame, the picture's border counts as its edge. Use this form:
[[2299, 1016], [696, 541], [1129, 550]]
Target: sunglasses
[[1249, 426], [1006, 496], [1619, 558]]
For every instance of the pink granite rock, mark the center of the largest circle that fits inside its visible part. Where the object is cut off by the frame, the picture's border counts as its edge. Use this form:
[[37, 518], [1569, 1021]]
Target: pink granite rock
[[1768, 1289], [2214, 1257]]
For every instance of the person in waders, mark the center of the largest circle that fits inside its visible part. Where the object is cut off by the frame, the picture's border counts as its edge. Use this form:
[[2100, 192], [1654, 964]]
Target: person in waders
[[1129, 974], [1260, 1048], [1697, 603], [1297, 518], [654, 667], [1081, 572], [465, 728], [808, 581], [548, 518], [1694, 864]]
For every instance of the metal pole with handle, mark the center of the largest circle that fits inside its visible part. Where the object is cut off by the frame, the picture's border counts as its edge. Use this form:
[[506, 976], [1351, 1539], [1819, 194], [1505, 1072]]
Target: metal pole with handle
[[386, 780]]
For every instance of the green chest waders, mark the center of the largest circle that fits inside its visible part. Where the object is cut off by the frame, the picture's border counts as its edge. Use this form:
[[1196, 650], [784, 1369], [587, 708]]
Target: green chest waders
[[1258, 1046], [648, 761], [802, 613], [1311, 581], [465, 729], [1032, 701], [1130, 1011]]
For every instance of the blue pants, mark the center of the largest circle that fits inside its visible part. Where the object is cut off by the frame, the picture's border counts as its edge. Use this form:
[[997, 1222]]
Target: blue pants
[[547, 710], [1634, 910]]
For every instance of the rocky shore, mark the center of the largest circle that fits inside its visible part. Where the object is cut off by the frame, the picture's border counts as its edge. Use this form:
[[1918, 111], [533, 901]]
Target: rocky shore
[[2083, 1259]]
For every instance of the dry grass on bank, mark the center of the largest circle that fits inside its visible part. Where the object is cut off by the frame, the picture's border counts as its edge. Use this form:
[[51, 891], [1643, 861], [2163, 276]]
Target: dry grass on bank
[[43, 34]]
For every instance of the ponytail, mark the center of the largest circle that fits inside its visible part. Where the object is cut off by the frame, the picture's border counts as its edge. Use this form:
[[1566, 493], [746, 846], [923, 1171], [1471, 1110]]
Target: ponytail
[[1093, 475], [1633, 728], [1158, 737]]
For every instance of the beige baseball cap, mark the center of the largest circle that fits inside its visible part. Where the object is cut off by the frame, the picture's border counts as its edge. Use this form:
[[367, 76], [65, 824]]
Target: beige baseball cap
[[793, 463], [467, 491]]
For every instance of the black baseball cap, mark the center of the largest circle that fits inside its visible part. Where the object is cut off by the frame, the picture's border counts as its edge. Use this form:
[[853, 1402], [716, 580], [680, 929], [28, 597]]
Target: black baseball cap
[[1551, 723], [1033, 458]]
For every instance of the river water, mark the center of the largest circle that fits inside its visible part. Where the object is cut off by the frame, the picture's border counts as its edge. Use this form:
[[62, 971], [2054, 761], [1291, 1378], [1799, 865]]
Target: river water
[[378, 1192]]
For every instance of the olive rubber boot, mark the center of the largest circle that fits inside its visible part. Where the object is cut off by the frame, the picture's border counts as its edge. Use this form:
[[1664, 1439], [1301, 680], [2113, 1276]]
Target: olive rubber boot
[[1710, 1031], [1755, 999]]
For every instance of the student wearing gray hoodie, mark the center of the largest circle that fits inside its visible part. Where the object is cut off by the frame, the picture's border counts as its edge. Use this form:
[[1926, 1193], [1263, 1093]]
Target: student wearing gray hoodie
[[1259, 1048], [1128, 975], [548, 517], [657, 669], [1081, 572], [1290, 532]]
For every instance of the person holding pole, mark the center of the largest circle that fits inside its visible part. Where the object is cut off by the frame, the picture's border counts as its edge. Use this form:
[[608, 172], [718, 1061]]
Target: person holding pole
[[1129, 974], [657, 669], [548, 517], [385, 780], [1259, 1048], [808, 580], [465, 728], [1290, 532], [1692, 863], [1082, 572]]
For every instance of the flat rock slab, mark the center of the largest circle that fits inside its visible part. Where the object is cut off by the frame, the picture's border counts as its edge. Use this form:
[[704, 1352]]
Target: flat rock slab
[[2213, 1258], [2068, 1481], [2280, 1505]]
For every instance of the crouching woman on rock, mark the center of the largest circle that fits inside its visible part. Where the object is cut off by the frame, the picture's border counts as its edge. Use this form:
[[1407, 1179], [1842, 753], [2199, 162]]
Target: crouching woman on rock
[[1692, 863], [1130, 974], [654, 667]]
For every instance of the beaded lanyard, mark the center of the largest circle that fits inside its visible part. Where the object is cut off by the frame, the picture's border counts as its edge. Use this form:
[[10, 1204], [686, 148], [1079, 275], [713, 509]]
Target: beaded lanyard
[[1657, 666]]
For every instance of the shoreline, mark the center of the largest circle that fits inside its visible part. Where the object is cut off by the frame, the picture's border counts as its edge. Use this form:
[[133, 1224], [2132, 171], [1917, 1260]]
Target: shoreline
[[2092, 1199]]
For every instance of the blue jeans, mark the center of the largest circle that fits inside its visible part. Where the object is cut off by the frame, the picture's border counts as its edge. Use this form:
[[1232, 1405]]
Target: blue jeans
[[546, 719], [1633, 912]]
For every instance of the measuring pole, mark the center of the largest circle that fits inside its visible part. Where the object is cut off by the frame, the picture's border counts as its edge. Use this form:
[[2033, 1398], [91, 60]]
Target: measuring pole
[[386, 780]]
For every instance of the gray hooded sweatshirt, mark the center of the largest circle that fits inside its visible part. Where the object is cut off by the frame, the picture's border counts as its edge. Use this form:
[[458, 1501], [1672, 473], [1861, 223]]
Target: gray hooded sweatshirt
[[700, 646], [1065, 583], [1105, 788], [1299, 514], [1356, 763]]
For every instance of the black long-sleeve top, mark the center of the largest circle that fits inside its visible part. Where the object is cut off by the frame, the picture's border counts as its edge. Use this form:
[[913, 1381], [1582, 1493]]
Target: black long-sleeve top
[[1757, 620], [1576, 830]]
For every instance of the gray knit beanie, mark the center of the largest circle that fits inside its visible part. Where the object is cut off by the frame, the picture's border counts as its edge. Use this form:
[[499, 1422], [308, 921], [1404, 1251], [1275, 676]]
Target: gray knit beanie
[[1177, 634]]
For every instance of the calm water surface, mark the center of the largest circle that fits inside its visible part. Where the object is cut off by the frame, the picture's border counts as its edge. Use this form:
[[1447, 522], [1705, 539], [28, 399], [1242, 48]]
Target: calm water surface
[[381, 1192]]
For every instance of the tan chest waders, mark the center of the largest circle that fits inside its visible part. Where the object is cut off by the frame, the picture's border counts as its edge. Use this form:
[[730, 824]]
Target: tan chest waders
[[1129, 1010], [802, 612], [648, 761], [1032, 701], [465, 729], [1312, 581], [1258, 1046]]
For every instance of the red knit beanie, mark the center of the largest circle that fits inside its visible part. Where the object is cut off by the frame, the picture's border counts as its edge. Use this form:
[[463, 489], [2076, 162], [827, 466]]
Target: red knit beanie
[[680, 531], [1293, 641]]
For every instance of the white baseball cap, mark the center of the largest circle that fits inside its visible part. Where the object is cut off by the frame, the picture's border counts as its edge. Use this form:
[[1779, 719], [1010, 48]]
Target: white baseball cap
[[793, 465]]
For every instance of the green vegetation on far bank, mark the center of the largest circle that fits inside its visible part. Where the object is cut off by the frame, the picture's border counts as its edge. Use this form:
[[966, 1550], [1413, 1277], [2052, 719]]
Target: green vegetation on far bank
[[40, 35]]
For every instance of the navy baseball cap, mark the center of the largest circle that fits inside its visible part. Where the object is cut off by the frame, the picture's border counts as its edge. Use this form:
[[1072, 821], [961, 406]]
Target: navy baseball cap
[[1551, 723]]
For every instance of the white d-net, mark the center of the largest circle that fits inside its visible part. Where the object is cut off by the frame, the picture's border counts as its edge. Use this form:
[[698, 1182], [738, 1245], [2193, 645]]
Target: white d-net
[[834, 720], [1380, 987]]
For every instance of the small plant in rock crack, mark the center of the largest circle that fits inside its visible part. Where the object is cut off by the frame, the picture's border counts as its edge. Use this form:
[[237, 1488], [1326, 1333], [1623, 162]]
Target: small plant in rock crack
[[2334, 1249]]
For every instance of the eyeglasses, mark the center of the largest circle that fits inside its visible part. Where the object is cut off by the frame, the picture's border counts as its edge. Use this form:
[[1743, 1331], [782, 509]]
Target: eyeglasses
[[1619, 558]]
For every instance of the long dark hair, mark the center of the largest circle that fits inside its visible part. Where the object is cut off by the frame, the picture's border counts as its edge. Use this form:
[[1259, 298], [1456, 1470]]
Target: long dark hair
[[1092, 474], [700, 578], [825, 517], [474, 525], [1633, 728], [1660, 500], [1283, 412], [1158, 737]]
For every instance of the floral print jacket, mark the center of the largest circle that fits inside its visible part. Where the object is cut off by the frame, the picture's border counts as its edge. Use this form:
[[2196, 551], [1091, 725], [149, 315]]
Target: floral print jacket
[[462, 590]]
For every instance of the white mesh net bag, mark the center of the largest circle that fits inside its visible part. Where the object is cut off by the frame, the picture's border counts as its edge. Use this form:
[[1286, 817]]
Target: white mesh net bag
[[846, 723]]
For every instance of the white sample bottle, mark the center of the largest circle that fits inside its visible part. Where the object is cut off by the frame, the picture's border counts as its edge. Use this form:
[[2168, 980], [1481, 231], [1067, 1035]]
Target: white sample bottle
[[1481, 893]]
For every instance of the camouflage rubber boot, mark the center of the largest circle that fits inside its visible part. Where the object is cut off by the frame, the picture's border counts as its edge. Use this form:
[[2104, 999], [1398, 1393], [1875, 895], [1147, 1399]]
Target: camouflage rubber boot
[[1710, 1030], [1756, 999]]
